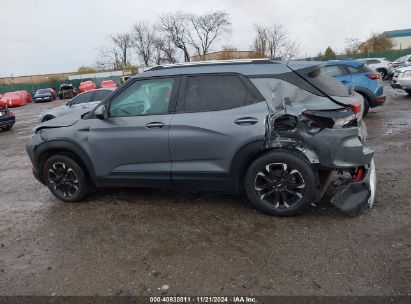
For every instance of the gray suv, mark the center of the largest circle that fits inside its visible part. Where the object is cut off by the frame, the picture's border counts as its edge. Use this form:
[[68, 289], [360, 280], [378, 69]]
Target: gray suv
[[282, 133]]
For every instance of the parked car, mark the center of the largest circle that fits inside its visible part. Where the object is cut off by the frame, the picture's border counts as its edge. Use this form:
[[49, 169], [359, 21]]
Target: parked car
[[13, 99], [108, 84], [66, 91], [53, 92], [87, 86], [402, 79], [43, 95], [402, 61], [278, 132], [381, 65], [26, 95], [7, 119], [86, 100], [361, 78]]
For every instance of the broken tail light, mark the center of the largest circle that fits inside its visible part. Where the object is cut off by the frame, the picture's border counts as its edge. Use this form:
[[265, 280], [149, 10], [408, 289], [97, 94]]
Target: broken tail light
[[374, 76], [356, 108], [341, 118]]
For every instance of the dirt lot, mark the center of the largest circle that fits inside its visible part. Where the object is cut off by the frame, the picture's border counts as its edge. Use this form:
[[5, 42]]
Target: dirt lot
[[133, 242]]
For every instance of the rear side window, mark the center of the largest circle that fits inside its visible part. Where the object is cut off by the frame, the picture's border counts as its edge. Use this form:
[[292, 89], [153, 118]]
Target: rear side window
[[333, 70], [100, 95], [215, 92], [329, 85]]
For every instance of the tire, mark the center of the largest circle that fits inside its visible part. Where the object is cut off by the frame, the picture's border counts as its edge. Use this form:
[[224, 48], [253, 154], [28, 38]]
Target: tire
[[383, 73], [366, 104], [282, 172], [65, 178]]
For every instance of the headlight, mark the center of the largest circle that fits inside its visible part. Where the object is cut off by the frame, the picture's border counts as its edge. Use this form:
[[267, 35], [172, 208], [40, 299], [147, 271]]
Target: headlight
[[406, 74]]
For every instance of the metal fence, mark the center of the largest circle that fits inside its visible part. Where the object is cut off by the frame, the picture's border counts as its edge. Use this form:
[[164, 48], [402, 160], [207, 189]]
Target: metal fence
[[389, 55]]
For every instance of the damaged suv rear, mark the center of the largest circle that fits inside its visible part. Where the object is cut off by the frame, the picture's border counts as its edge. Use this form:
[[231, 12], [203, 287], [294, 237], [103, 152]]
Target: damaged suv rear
[[283, 133]]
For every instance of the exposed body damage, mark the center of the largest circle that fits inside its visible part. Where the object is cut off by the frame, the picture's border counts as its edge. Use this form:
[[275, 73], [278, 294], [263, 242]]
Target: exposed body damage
[[338, 154]]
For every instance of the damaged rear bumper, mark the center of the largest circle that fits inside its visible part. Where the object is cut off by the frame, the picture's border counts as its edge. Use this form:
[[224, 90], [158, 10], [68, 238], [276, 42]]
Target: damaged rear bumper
[[352, 197]]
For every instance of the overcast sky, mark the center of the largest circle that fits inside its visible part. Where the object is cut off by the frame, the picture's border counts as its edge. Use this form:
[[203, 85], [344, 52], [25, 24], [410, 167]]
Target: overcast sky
[[47, 36]]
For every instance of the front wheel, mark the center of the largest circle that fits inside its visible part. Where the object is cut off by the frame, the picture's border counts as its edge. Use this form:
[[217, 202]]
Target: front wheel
[[281, 183], [65, 178]]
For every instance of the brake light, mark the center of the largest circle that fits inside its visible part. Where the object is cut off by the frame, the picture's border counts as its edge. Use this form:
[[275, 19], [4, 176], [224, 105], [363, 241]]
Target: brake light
[[356, 108], [359, 175], [341, 118], [10, 113], [374, 76]]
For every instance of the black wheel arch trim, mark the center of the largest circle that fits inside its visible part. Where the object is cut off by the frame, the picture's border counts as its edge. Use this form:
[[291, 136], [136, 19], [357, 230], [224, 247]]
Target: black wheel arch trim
[[63, 145]]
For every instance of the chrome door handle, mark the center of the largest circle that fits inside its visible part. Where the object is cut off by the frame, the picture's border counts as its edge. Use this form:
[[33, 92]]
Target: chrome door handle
[[154, 125], [246, 121]]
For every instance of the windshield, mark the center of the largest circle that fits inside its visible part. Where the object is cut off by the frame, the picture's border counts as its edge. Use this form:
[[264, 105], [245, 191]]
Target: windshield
[[43, 91], [401, 59]]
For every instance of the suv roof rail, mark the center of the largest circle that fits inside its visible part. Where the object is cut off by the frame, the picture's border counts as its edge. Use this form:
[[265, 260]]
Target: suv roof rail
[[214, 62]]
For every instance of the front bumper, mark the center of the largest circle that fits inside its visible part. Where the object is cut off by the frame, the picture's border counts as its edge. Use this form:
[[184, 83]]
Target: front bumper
[[351, 197], [31, 146]]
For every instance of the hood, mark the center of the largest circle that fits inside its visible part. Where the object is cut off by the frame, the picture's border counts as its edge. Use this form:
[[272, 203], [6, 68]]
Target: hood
[[63, 121], [403, 69]]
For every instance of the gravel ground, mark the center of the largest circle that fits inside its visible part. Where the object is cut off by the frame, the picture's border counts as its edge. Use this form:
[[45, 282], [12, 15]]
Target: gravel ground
[[134, 241]]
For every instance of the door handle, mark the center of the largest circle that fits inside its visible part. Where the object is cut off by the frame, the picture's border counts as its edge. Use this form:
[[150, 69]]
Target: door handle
[[246, 121], [154, 125]]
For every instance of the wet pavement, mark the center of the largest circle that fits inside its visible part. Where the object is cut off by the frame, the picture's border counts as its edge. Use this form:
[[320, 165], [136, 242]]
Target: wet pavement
[[134, 241]]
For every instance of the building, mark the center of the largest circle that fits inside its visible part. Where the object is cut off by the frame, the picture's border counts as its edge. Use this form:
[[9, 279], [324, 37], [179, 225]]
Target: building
[[401, 39]]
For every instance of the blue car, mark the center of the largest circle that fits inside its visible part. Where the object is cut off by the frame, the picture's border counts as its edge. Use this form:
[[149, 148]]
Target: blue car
[[43, 95], [361, 78]]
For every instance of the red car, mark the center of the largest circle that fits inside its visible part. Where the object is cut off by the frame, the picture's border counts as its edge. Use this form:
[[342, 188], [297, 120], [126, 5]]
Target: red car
[[87, 86], [26, 95], [108, 84], [13, 99]]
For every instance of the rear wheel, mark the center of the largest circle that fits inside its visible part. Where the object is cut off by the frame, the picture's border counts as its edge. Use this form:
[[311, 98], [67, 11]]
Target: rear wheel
[[366, 104], [281, 183], [65, 178]]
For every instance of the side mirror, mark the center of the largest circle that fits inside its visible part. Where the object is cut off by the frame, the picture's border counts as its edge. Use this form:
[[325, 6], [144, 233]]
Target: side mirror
[[101, 112]]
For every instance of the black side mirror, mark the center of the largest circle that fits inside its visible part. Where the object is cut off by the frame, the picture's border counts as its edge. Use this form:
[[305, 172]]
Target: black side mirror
[[101, 112]]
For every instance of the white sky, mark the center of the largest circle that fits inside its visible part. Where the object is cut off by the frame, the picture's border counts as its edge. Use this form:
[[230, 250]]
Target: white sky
[[47, 36]]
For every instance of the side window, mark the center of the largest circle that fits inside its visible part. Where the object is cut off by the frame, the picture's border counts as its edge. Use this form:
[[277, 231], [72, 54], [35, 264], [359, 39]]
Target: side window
[[143, 97], [215, 92], [352, 69], [82, 98], [332, 70], [100, 95]]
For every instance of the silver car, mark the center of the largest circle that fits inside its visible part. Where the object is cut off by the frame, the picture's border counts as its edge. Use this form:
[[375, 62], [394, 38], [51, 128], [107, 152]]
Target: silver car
[[84, 101], [402, 79], [281, 133]]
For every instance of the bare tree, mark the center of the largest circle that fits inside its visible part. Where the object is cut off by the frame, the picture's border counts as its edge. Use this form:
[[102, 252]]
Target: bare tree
[[165, 51], [175, 27], [143, 40], [352, 45], [274, 41], [108, 59], [123, 43], [207, 29]]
